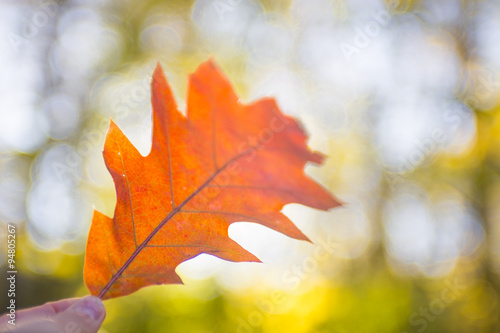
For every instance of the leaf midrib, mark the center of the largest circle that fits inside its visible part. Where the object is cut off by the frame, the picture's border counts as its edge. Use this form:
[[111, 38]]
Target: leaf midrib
[[176, 210]]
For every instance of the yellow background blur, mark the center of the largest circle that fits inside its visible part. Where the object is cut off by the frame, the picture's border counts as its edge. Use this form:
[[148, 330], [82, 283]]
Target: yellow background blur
[[402, 96]]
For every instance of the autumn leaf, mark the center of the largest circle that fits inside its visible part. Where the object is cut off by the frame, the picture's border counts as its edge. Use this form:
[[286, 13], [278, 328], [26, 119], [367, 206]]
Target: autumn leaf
[[224, 162]]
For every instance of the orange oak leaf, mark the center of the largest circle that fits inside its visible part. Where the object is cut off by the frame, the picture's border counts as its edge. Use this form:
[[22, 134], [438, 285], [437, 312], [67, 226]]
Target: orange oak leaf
[[224, 162]]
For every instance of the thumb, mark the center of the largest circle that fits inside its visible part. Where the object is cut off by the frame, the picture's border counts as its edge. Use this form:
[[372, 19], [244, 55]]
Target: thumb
[[84, 316]]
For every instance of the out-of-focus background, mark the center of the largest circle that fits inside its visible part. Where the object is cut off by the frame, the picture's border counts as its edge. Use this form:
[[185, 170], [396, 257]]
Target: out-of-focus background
[[403, 97]]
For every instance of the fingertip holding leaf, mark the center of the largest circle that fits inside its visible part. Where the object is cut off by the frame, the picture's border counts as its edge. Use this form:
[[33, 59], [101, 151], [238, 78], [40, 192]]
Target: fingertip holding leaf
[[224, 162]]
